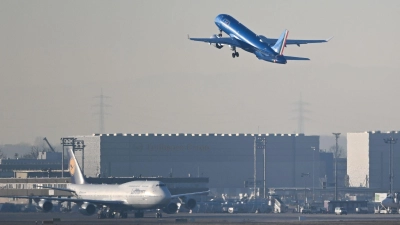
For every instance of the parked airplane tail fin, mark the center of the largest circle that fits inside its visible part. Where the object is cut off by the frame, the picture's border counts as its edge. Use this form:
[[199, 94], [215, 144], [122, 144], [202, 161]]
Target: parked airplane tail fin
[[75, 170], [281, 43]]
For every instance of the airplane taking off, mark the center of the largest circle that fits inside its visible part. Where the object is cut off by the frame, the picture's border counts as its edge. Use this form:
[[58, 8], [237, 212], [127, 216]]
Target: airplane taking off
[[264, 48], [115, 199]]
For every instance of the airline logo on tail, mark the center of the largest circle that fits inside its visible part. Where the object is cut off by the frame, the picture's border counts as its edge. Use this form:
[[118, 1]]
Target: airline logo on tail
[[72, 167], [74, 170]]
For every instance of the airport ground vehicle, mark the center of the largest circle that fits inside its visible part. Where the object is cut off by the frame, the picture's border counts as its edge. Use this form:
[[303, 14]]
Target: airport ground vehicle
[[306, 211], [340, 211]]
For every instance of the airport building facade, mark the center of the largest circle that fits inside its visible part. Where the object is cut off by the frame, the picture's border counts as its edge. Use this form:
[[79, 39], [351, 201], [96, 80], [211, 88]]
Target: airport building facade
[[226, 159], [368, 160], [45, 161]]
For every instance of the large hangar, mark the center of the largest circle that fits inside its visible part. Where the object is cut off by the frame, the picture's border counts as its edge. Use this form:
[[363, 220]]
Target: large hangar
[[368, 159], [227, 159]]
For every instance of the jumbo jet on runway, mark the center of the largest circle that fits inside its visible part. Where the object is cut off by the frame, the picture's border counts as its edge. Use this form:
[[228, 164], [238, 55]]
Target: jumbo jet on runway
[[267, 49], [116, 199]]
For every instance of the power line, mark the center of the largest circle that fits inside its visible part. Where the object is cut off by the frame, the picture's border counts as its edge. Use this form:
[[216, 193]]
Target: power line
[[101, 112], [300, 114]]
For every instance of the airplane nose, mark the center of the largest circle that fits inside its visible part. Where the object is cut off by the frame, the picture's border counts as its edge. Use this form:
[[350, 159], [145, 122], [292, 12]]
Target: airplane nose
[[385, 201], [218, 18], [166, 195]]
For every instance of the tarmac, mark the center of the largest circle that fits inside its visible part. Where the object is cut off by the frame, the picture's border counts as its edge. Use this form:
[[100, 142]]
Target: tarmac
[[75, 218]]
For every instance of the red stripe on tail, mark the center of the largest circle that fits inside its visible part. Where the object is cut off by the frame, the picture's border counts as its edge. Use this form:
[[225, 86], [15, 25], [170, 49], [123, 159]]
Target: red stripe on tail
[[284, 43]]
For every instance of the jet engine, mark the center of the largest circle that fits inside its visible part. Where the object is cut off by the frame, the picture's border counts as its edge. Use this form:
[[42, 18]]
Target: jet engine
[[171, 208], [87, 209], [45, 205], [190, 203], [217, 45]]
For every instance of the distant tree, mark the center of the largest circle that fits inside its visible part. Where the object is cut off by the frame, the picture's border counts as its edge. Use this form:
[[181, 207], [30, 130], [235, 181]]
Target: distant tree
[[2, 154], [16, 155], [33, 154], [340, 153]]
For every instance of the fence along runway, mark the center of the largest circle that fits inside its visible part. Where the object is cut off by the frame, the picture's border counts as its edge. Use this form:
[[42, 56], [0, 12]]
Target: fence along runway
[[202, 218]]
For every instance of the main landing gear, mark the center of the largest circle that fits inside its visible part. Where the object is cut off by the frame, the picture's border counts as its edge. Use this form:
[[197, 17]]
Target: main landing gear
[[139, 214], [107, 213], [220, 33], [122, 215], [158, 214], [235, 54]]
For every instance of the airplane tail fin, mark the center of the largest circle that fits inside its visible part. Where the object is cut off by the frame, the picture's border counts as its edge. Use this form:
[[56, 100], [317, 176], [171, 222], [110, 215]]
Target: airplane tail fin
[[281, 43], [75, 170]]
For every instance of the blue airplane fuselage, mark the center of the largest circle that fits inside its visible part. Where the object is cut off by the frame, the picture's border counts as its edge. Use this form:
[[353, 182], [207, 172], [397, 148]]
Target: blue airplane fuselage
[[249, 41]]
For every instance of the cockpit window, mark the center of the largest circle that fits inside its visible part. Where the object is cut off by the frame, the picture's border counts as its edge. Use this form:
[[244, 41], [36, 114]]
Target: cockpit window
[[161, 185]]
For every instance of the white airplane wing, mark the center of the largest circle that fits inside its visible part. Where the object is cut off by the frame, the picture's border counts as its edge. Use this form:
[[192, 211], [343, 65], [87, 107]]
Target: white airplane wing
[[75, 200], [59, 189], [194, 193]]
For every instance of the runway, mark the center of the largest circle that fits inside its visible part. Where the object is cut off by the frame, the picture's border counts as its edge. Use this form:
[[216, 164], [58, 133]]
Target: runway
[[201, 218]]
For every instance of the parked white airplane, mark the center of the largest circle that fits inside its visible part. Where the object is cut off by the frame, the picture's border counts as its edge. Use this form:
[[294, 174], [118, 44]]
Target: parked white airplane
[[116, 200], [390, 201]]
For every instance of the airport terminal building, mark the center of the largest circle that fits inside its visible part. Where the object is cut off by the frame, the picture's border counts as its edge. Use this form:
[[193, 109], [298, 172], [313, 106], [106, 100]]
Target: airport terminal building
[[226, 159], [368, 159]]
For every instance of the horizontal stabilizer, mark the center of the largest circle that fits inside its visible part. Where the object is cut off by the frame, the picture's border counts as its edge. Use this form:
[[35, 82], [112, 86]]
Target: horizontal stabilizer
[[295, 58], [272, 41]]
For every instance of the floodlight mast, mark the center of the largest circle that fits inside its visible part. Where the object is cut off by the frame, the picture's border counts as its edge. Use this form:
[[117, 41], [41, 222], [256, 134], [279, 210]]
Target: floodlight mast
[[336, 155], [391, 141]]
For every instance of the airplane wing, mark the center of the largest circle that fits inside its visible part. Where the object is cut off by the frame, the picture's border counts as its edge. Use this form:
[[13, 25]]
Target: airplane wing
[[222, 40], [75, 200], [194, 193], [59, 189]]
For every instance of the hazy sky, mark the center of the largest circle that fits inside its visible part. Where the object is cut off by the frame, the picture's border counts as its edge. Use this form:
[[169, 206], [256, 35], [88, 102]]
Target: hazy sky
[[55, 56]]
